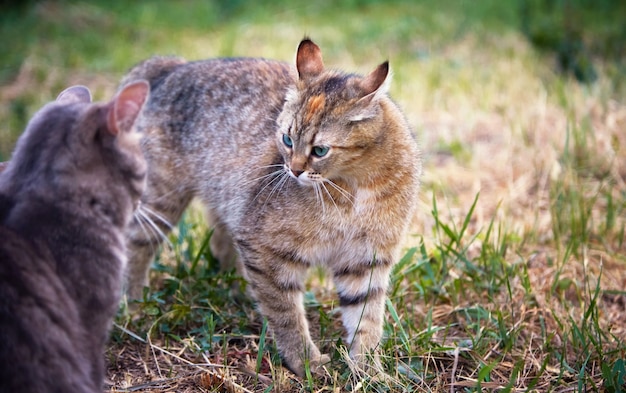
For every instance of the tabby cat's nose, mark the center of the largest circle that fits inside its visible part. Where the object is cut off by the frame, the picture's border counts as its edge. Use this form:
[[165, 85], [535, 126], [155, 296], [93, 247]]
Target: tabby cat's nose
[[296, 172]]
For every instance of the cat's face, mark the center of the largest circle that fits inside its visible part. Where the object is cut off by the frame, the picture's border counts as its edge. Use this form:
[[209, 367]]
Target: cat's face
[[321, 134], [74, 147], [329, 122]]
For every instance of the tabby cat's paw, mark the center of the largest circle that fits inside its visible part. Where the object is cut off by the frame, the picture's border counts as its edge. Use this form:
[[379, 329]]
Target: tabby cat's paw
[[317, 365], [314, 364]]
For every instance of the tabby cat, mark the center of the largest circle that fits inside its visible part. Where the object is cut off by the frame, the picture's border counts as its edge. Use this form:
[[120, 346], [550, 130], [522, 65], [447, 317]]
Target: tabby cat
[[296, 167], [66, 199]]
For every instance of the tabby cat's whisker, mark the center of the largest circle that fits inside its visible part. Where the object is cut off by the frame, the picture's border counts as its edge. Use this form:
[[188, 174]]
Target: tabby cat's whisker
[[264, 167], [270, 166], [329, 195], [247, 182], [342, 191], [278, 186], [272, 180], [319, 196]]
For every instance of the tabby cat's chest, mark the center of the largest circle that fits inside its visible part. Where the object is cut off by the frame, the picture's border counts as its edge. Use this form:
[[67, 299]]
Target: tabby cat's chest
[[341, 229]]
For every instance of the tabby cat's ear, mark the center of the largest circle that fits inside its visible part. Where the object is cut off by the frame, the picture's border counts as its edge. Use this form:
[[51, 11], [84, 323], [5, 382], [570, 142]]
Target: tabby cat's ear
[[373, 86], [75, 94], [125, 107], [377, 82], [309, 59]]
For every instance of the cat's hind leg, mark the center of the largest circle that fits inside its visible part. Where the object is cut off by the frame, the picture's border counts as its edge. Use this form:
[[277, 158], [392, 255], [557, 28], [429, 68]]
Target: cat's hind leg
[[161, 207], [222, 246]]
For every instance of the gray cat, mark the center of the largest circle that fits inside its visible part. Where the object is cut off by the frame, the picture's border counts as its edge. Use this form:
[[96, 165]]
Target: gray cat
[[66, 197], [297, 167]]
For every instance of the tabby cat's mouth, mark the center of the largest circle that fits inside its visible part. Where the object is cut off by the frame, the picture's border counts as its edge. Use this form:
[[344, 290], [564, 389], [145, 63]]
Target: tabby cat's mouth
[[303, 179]]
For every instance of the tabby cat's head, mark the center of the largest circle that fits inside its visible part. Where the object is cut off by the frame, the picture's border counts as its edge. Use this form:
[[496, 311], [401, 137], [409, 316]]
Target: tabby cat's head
[[73, 147], [330, 120]]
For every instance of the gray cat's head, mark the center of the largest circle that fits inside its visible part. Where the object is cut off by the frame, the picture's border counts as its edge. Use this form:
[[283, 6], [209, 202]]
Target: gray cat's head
[[330, 120], [82, 152]]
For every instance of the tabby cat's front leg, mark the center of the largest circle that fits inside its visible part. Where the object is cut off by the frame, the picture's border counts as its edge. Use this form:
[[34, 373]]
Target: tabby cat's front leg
[[362, 289], [276, 282]]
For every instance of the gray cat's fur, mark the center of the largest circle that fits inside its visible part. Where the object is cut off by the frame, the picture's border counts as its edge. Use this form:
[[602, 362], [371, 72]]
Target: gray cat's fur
[[66, 197]]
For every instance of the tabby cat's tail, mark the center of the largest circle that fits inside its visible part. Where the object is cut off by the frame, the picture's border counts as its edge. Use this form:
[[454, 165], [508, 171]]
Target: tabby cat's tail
[[154, 70]]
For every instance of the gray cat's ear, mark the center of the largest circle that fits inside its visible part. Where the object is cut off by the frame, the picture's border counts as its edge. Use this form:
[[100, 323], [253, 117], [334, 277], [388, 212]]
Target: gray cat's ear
[[75, 94], [125, 107], [309, 59]]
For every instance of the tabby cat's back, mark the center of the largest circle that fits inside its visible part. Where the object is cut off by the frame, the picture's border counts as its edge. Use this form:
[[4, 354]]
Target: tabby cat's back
[[66, 198], [241, 97]]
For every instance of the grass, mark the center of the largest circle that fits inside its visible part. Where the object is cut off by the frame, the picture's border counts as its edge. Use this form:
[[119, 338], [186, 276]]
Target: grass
[[513, 277]]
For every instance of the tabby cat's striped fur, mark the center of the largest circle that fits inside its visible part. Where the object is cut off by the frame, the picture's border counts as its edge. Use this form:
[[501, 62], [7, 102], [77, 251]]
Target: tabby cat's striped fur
[[296, 167]]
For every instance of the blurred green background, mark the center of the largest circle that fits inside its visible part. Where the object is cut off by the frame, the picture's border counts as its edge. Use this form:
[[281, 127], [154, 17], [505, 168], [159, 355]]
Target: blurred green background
[[50, 43]]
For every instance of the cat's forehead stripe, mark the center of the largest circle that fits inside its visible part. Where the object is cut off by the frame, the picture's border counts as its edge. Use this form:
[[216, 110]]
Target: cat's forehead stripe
[[335, 83], [315, 105]]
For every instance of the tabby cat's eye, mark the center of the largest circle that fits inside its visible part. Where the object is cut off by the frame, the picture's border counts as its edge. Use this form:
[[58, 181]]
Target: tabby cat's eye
[[287, 140], [320, 151]]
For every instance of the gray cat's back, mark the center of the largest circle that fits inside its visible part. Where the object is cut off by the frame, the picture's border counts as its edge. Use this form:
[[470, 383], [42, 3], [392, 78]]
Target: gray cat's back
[[25, 301]]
